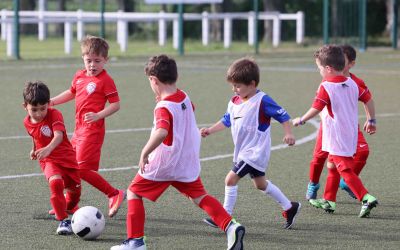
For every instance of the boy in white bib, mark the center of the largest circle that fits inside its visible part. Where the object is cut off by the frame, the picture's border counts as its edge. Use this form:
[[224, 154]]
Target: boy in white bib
[[249, 116], [171, 158], [337, 101]]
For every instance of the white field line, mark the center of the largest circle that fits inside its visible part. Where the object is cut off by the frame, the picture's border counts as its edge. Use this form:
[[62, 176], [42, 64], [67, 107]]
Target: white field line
[[216, 157], [210, 158]]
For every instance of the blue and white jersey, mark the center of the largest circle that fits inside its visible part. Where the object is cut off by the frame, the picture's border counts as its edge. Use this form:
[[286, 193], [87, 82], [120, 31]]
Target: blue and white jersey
[[250, 126]]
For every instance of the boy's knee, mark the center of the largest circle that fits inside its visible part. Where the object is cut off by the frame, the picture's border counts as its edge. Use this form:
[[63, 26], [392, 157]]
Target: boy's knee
[[198, 199], [131, 195], [55, 177]]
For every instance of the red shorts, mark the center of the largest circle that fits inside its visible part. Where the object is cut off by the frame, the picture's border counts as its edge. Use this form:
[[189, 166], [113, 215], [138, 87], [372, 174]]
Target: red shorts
[[362, 145], [154, 189], [341, 162], [70, 176], [87, 154]]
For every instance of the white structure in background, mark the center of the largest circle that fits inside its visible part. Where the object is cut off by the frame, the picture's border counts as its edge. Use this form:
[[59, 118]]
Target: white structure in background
[[69, 18]]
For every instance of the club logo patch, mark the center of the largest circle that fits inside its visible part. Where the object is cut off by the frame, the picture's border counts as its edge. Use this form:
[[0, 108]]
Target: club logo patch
[[90, 88], [46, 131]]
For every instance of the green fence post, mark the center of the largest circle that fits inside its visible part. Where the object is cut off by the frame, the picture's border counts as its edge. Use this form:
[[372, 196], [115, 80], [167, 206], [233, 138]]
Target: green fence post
[[363, 25], [326, 21], [15, 50], [180, 30], [394, 24], [256, 45], [102, 21]]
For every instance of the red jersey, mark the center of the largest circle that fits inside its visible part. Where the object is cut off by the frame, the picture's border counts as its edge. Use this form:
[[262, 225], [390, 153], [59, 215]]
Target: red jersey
[[43, 133], [164, 118], [91, 95]]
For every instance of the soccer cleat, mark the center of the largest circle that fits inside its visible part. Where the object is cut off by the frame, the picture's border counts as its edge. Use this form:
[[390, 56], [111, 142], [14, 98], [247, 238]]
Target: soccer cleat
[[291, 214], [235, 233], [346, 188], [131, 244], [312, 190], [368, 203], [64, 228], [328, 206], [210, 222], [70, 212], [114, 203]]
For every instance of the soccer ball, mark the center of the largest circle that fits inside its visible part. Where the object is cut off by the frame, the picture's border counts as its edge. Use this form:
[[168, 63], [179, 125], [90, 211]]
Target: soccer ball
[[88, 223]]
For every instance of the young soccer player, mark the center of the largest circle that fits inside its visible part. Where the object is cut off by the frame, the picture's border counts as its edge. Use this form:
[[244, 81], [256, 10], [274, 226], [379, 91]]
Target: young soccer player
[[337, 98], [171, 158], [91, 88], [362, 152], [54, 152], [249, 116]]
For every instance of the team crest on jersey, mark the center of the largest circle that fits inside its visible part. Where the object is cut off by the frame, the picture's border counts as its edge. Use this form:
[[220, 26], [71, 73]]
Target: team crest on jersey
[[46, 131], [90, 88]]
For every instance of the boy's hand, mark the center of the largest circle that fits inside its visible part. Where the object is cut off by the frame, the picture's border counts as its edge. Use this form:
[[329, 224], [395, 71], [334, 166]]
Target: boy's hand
[[289, 139], [370, 127], [142, 163], [91, 117], [205, 132], [32, 155], [297, 121], [42, 153]]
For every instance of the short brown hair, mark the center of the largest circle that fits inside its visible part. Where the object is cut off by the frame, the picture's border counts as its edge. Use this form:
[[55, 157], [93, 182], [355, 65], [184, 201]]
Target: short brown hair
[[243, 70], [36, 93], [94, 45], [162, 67], [349, 51], [331, 55]]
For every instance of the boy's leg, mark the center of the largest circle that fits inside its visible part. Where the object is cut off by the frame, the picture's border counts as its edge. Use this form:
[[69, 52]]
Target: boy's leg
[[73, 185], [231, 191], [316, 167], [332, 183], [57, 199]]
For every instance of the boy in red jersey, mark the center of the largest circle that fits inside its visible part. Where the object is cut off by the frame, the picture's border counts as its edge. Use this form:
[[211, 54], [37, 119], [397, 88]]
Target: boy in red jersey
[[91, 88], [361, 155], [54, 152], [337, 98], [171, 158]]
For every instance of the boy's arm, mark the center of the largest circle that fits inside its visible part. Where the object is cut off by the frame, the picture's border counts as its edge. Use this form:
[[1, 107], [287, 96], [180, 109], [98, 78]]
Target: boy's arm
[[307, 116], [370, 123], [219, 126], [156, 138], [107, 111], [46, 151], [289, 137], [32, 153], [63, 97]]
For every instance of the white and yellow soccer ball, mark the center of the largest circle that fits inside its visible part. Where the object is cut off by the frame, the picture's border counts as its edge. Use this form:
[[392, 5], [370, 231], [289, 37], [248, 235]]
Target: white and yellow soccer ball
[[88, 223]]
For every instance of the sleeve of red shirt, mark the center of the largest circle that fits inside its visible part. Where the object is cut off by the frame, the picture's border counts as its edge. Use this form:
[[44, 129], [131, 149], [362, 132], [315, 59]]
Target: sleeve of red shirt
[[163, 118], [321, 98], [73, 87], [364, 94], [57, 121], [110, 90]]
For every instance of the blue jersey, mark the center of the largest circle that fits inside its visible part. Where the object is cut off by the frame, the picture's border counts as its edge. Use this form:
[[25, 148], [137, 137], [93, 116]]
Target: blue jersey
[[268, 109]]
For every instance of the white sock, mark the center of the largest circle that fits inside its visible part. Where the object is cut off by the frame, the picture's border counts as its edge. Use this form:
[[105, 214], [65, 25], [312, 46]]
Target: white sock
[[230, 198], [278, 196]]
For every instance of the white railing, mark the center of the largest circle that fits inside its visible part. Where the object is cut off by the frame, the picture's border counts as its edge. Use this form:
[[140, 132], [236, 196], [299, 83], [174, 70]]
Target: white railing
[[69, 18]]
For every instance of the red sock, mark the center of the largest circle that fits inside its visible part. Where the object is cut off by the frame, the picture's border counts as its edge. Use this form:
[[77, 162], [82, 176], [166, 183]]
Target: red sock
[[73, 196], [316, 166], [360, 159], [57, 198], [332, 184], [135, 218], [97, 181], [354, 183], [216, 212]]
